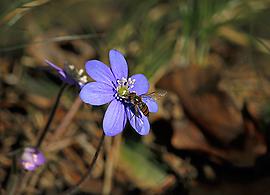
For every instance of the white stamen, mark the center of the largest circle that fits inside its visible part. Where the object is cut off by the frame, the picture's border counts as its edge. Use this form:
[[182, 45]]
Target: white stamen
[[71, 67], [80, 72]]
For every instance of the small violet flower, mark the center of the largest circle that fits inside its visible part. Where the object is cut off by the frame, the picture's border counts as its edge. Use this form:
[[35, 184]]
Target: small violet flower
[[113, 86], [32, 158], [70, 74]]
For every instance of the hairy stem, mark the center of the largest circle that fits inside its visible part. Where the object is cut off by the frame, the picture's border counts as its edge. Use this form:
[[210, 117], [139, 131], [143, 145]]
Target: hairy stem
[[85, 177], [48, 124]]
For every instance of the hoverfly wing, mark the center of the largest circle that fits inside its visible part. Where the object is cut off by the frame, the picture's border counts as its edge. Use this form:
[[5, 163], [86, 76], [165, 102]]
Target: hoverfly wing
[[137, 119], [156, 94], [138, 123], [151, 98]]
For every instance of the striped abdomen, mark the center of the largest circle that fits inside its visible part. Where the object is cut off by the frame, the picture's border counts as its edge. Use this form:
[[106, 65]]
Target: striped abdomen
[[144, 108]]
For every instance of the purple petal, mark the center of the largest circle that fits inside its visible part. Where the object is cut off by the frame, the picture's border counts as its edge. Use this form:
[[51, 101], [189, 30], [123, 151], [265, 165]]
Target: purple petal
[[27, 155], [115, 119], [141, 85], [63, 76], [97, 93], [28, 165], [69, 80], [40, 160], [100, 72], [139, 123], [118, 64], [151, 103], [53, 66]]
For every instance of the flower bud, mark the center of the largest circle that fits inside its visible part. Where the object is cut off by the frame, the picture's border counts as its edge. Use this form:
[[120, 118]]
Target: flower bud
[[32, 158]]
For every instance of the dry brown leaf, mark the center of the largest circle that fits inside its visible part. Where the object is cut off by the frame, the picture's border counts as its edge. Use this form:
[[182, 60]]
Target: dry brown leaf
[[215, 125]]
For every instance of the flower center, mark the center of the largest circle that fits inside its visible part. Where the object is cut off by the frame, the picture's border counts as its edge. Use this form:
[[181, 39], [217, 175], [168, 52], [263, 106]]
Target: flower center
[[124, 88], [123, 91]]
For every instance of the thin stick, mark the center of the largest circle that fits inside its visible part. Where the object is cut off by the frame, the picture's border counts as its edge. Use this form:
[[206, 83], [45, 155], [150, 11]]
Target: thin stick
[[47, 126], [108, 170], [20, 182], [61, 129], [75, 188], [111, 162]]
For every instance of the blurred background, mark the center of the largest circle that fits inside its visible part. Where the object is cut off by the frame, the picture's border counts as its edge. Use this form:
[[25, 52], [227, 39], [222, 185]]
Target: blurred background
[[211, 134]]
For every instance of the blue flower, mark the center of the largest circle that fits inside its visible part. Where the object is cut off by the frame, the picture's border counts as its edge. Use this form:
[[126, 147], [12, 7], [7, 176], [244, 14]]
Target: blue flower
[[112, 86], [70, 74]]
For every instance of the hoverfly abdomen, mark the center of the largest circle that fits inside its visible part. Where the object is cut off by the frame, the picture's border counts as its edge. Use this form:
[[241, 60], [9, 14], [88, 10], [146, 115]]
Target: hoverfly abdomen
[[144, 108], [138, 104]]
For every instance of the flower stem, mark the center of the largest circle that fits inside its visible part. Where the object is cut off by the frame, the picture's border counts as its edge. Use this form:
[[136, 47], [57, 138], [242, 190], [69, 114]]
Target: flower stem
[[47, 126], [75, 188]]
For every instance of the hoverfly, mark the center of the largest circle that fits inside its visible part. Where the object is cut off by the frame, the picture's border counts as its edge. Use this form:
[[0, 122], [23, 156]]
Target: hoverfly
[[139, 102], [139, 107]]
